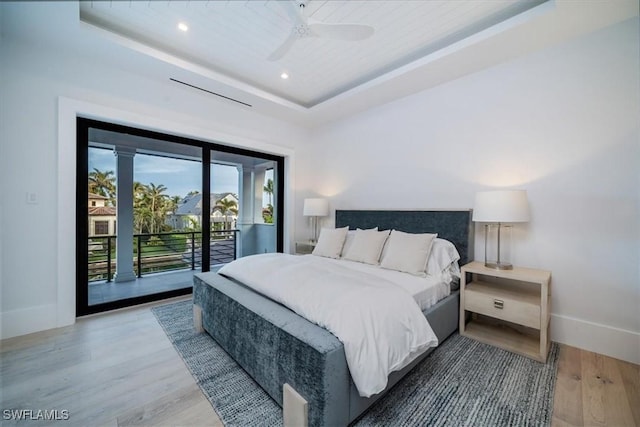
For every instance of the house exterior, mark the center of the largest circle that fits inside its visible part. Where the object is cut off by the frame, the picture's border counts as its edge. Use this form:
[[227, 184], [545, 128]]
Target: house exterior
[[102, 218], [189, 212]]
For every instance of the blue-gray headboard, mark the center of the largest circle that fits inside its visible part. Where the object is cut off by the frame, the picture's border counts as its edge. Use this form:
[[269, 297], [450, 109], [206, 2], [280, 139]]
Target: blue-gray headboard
[[455, 226]]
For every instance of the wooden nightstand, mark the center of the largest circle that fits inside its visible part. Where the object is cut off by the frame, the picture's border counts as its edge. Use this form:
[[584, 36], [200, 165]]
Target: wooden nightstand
[[508, 308], [304, 248]]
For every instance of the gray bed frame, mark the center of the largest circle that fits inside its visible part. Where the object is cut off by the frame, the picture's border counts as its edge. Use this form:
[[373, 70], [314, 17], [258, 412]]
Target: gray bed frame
[[299, 364]]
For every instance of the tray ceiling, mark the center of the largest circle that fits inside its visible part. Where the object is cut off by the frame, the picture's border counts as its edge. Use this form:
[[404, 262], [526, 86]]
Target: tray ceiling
[[232, 39]]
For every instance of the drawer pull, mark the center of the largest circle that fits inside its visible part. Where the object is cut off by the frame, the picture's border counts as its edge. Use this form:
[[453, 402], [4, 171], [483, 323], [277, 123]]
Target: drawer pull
[[498, 303]]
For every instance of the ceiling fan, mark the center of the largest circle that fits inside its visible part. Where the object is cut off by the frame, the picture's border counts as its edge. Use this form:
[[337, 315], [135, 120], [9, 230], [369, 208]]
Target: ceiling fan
[[304, 26]]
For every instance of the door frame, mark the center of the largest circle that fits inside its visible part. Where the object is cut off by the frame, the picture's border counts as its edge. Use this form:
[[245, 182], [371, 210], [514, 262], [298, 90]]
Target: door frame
[[82, 188]]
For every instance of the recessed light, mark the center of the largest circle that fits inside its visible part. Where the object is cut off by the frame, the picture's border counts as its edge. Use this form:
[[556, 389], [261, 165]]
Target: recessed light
[[284, 76], [183, 27]]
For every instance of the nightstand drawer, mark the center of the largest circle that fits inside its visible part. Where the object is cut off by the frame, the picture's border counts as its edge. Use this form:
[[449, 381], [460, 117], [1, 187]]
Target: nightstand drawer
[[483, 299]]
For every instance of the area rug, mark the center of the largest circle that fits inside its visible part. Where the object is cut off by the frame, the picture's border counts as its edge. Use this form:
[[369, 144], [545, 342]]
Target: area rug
[[463, 382]]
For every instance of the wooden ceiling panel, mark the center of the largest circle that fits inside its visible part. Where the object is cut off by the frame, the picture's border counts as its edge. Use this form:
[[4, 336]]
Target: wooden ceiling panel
[[236, 37]]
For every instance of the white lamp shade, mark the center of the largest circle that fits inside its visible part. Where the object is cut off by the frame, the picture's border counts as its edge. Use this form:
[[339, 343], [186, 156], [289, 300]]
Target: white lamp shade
[[316, 207], [501, 206]]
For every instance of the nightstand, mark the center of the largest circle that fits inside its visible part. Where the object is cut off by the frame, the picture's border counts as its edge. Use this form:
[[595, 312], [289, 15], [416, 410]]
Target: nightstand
[[304, 248], [507, 308]]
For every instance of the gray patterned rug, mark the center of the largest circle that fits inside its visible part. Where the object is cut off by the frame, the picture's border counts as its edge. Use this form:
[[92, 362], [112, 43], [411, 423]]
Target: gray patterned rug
[[463, 382]]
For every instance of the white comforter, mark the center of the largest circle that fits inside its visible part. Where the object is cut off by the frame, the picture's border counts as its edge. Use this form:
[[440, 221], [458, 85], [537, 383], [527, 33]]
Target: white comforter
[[380, 324]]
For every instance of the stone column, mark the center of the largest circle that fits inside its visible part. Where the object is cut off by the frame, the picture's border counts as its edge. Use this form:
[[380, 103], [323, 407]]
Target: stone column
[[241, 209], [245, 196], [258, 194], [245, 215], [124, 214]]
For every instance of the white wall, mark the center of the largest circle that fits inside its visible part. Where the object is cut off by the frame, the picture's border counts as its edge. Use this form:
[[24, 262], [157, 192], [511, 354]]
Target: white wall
[[562, 124], [42, 87]]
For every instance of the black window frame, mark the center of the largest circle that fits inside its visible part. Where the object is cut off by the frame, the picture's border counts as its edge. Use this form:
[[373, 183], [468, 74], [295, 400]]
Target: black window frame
[[83, 124]]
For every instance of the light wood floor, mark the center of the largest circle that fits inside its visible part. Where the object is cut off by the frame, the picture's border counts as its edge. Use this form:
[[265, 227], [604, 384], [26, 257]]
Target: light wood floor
[[119, 369]]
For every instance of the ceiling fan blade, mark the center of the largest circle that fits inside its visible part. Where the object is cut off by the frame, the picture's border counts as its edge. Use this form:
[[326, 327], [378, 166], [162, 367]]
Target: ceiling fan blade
[[350, 32], [283, 48]]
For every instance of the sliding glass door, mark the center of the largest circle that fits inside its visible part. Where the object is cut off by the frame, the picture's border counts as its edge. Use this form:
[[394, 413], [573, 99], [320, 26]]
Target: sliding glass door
[[258, 220], [153, 209]]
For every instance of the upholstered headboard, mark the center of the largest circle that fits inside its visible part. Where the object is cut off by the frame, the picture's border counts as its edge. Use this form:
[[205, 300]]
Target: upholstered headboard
[[455, 225]]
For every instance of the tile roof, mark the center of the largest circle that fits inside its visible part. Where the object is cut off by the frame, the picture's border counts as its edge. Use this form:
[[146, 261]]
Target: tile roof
[[102, 210], [97, 196]]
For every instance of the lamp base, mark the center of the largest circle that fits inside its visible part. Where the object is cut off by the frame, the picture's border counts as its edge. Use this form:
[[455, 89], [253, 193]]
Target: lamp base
[[499, 265]]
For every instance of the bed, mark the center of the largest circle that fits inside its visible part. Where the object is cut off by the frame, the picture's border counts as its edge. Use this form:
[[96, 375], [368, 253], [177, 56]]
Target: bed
[[299, 364]]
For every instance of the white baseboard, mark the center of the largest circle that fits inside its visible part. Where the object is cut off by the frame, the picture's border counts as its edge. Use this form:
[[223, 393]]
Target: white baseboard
[[28, 320], [603, 339]]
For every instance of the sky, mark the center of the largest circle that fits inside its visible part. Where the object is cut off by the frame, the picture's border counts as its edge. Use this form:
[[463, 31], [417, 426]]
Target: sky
[[179, 176]]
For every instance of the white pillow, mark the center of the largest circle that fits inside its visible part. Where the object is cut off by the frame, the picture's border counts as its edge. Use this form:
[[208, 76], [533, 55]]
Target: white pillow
[[330, 242], [366, 246], [443, 255], [407, 252], [351, 234]]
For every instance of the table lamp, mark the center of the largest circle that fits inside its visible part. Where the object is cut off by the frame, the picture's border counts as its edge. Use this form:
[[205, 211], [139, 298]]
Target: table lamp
[[501, 206], [315, 208]]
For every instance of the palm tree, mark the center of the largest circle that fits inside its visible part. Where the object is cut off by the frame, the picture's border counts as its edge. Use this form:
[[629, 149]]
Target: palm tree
[[172, 207], [194, 225], [103, 183], [141, 212], [269, 189], [150, 207], [227, 206], [157, 204], [174, 202], [139, 190], [142, 219], [267, 214]]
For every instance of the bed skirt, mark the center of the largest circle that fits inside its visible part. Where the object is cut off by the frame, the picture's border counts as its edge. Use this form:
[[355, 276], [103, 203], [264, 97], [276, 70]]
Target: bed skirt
[[276, 347]]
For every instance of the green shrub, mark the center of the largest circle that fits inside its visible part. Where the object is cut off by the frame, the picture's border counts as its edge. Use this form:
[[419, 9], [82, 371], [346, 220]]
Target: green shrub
[[155, 241], [175, 242]]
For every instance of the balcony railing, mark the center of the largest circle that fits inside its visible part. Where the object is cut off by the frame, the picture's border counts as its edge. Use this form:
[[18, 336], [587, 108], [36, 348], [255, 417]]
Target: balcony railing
[[159, 252]]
